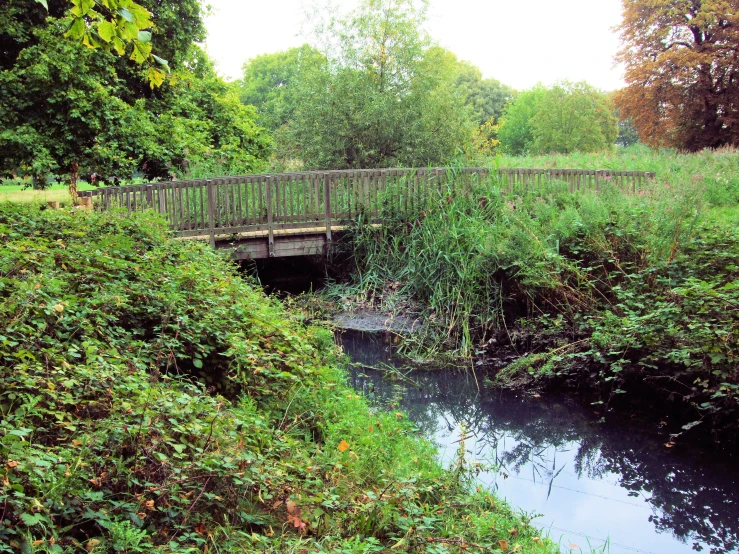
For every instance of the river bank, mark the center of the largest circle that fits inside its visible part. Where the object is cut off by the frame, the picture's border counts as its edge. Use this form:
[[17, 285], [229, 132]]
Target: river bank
[[152, 399], [624, 295]]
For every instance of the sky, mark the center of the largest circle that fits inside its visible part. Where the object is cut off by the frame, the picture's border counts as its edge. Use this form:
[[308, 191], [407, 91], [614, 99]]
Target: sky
[[518, 42]]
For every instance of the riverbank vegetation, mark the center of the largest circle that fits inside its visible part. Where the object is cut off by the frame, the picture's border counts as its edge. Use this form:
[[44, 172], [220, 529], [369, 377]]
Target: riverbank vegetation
[[624, 294], [151, 399]]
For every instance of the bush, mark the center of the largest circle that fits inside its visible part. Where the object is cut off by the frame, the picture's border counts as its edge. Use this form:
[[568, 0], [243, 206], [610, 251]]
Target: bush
[[151, 399]]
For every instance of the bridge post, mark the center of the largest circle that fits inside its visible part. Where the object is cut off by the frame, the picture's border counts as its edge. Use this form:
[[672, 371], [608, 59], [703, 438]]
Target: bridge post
[[327, 196], [211, 212], [161, 197], [270, 217]]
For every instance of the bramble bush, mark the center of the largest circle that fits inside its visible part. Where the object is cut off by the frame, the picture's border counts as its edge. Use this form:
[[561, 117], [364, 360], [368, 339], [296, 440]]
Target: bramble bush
[[151, 399]]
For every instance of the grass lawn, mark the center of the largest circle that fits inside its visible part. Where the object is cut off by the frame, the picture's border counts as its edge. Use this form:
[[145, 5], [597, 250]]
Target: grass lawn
[[18, 195]]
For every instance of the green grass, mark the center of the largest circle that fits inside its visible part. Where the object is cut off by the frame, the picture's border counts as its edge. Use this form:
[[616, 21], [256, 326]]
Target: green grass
[[153, 400], [716, 170], [18, 195]]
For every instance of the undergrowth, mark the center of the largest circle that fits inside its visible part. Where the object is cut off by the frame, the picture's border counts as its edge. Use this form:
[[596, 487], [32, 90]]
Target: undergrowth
[[613, 291], [153, 400]]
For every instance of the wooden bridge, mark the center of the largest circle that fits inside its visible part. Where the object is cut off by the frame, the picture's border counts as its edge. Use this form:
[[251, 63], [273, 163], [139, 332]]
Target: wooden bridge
[[299, 214]]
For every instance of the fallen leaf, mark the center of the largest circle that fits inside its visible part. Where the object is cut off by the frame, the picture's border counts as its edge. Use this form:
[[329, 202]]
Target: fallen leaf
[[149, 505], [76, 443], [38, 543], [513, 531], [91, 544], [517, 548], [290, 506], [11, 464], [503, 545], [59, 308], [343, 446]]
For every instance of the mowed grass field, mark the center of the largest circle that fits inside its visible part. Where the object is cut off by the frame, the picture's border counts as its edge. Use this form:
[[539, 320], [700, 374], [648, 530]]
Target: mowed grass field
[[18, 195]]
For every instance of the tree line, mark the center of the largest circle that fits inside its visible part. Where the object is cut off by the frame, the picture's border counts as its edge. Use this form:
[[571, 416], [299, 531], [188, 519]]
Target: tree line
[[105, 90]]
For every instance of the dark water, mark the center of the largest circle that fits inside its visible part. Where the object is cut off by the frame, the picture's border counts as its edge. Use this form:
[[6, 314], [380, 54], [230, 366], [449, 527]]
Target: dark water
[[604, 486]]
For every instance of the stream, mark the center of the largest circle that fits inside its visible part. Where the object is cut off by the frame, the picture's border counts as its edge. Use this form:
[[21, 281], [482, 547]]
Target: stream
[[605, 486]]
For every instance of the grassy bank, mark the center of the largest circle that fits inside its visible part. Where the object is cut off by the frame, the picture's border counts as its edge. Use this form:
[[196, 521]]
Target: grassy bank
[[618, 293], [152, 400]]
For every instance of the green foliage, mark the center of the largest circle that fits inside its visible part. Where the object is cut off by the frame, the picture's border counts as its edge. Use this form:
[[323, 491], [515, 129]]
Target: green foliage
[[73, 111], [713, 173], [153, 400], [516, 130], [270, 83], [614, 291], [384, 97], [487, 97], [120, 26], [569, 117]]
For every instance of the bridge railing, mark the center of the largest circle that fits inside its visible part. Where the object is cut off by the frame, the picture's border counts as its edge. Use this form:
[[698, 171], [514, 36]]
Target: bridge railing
[[325, 199]]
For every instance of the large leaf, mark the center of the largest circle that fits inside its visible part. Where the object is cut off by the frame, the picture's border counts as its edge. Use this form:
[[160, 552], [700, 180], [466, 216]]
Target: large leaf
[[106, 30], [77, 29]]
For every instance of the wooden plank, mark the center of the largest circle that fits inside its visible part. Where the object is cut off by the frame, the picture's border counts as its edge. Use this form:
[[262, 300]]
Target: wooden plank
[[270, 216], [211, 212], [327, 207]]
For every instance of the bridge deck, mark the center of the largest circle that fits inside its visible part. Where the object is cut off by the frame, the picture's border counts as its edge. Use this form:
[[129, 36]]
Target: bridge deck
[[296, 214]]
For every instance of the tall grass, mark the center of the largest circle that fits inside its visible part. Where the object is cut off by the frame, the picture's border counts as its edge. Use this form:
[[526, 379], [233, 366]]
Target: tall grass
[[715, 172], [473, 262]]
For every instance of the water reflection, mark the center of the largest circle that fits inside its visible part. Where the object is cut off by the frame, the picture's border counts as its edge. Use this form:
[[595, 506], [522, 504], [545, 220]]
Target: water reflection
[[591, 481]]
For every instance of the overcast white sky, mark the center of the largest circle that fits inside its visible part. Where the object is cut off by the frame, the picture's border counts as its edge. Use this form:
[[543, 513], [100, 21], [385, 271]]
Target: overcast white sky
[[519, 42]]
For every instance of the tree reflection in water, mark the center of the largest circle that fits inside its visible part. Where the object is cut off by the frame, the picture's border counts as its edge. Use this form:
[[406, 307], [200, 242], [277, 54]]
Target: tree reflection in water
[[692, 497]]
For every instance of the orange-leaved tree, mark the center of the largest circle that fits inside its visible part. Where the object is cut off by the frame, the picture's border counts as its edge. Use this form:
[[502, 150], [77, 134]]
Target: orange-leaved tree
[[682, 72]]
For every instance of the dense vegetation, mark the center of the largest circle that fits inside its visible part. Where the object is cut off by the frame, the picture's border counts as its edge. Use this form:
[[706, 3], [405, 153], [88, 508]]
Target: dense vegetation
[[619, 292], [70, 112], [151, 398], [565, 118]]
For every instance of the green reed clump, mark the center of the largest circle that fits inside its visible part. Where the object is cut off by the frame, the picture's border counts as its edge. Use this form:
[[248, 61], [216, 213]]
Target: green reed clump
[[473, 261], [611, 290]]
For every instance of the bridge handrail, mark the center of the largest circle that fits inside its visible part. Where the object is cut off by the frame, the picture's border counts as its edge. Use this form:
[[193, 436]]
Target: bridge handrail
[[280, 202]]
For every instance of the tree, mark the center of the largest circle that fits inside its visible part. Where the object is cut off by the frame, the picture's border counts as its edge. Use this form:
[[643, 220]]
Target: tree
[[516, 131], [574, 117], [70, 111], [568, 117], [270, 82], [487, 97], [682, 71], [120, 26], [383, 97]]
